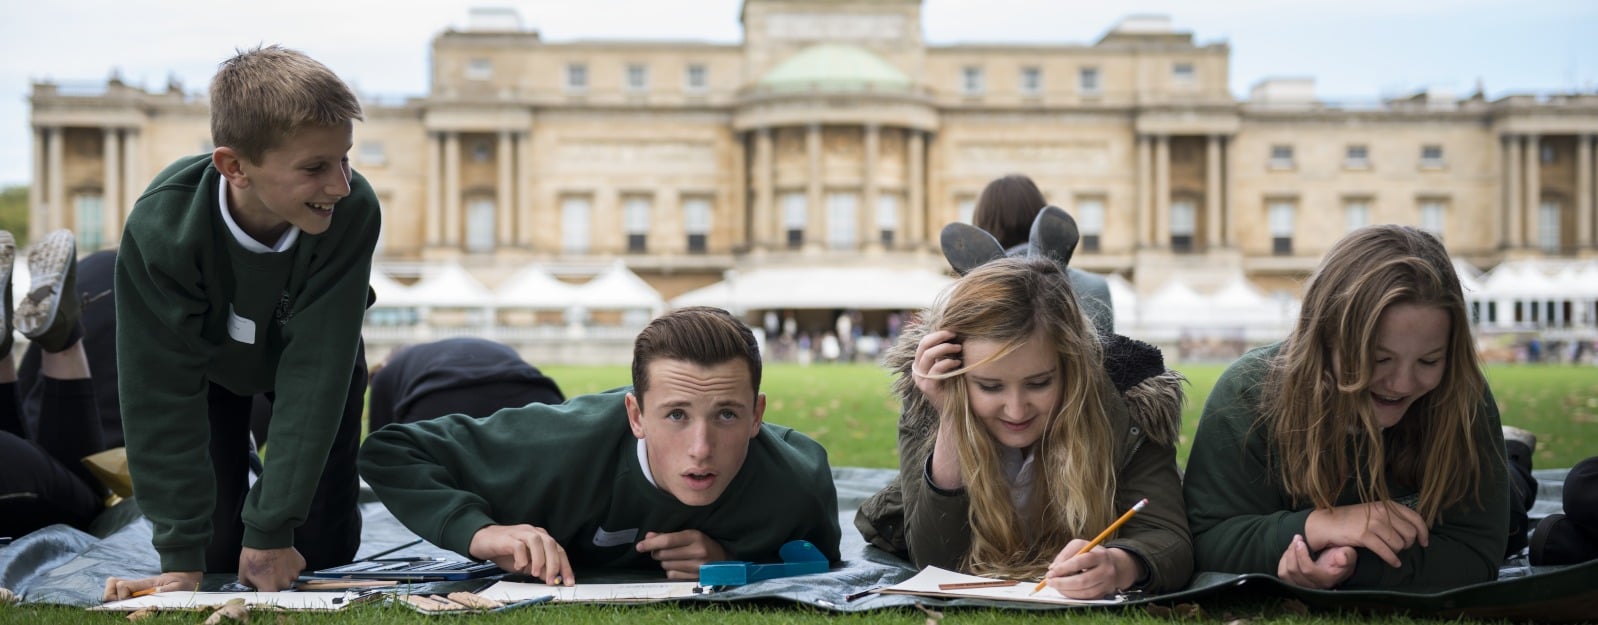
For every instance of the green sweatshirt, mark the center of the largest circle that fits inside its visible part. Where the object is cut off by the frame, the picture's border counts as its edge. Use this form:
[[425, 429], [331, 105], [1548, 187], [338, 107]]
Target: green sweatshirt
[[194, 307], [1243, 520], [573, 469]]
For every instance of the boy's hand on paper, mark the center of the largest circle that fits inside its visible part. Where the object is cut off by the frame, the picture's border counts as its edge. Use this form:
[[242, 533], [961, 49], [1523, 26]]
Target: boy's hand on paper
[[1383, 527], [270, 570], [681, 553], [1099, 573], [117, 589], [937, 353], [1327, 570], [523, 549]]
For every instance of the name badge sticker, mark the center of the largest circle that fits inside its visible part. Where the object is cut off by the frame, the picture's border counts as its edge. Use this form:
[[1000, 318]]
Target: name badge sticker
[[239, 328]]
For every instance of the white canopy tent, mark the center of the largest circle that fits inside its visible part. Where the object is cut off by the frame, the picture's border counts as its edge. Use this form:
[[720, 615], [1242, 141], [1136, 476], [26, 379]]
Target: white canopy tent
[[618, 288], [862, 288], [533, 287]]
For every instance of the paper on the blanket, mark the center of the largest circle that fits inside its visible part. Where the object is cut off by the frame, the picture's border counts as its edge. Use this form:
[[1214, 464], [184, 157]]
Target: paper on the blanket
[[510, 592], [926, 584], [281, 600]]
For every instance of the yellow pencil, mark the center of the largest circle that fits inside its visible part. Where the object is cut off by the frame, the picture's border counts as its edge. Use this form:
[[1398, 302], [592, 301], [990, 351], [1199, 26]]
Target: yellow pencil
[[1100, 538], [147, 591]]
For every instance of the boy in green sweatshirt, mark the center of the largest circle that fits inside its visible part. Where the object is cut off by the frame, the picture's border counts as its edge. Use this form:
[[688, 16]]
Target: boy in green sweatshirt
[[676, 471], [245, 271]]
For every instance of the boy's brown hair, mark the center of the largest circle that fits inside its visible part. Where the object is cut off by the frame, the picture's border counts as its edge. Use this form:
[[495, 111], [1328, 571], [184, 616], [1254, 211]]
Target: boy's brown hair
[[701, 335], [263, 96]]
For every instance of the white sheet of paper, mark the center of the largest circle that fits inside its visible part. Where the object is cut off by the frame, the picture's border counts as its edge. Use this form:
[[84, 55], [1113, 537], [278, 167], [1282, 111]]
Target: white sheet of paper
[[926, 583], [508, 592], [184, 599]]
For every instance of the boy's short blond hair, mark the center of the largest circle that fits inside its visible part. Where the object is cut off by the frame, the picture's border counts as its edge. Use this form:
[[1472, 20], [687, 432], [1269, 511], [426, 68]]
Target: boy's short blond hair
[[261, 97]]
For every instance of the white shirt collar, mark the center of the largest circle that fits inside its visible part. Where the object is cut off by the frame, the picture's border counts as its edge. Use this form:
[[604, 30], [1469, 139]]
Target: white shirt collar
[[643, 461], [283, 243]]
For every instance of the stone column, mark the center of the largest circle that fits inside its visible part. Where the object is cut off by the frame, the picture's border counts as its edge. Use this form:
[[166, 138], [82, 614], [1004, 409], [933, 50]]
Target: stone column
[[1162, 191], [816, 219], [1584, 217], [735, 208], [57, 209], [433, 188], [1212, 190], [1229, 219], [1510, 236], [867, 216], [37, 196], [111, 210], [524, 189], [452, 188], [1532, 190], [505, 199], [768, 224], [916, 195], [1145, 192], [132, 183]]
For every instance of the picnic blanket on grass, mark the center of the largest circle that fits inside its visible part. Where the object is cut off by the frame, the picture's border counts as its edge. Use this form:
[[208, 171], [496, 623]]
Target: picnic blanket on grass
[[62, 565]]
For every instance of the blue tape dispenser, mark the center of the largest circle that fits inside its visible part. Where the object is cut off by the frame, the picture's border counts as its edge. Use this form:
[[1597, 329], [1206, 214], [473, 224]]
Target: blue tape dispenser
[[799, 557]]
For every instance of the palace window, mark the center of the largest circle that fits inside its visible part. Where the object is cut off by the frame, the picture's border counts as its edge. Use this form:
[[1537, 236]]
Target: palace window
[[887, 218], [637, 77], [795, 214], [480, 226], [1088, 80], [90, 231], [972, 80], [479, 69], [635, 218], [696, 77], [1548, 214], [1281, 157], [1357, 157], [1090, 220], [1184, 224], [1281, 220], [577, 77], [1031, 80], [1431, 156], [1431, 216], [842, 230], [696, 222], [1356, 213], [1183, 74], [574, 224]]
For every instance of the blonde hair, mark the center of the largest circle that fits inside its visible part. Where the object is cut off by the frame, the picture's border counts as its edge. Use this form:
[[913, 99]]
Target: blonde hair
[[1006, 301], [1317, 389], [261, 97]]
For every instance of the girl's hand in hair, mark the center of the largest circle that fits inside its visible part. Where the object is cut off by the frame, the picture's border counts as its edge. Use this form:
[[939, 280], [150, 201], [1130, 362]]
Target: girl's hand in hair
[[937, 354], [1332, 567], [1383, 527]]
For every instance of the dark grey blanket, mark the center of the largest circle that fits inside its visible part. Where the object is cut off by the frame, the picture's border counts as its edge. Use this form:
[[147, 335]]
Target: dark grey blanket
[[62, 565]]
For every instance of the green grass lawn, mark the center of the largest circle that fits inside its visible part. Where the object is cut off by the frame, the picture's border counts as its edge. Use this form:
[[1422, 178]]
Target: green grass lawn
[[848, 409]]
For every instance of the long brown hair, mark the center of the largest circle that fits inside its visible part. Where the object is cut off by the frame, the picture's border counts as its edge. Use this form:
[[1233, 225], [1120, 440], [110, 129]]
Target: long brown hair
[[1005, 301], [1316, 401]]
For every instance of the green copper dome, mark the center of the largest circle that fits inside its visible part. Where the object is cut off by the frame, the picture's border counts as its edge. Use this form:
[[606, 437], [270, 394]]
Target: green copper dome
[[835, 67]]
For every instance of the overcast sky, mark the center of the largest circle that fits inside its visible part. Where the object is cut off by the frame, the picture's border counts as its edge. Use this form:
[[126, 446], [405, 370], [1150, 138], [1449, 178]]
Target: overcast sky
[[1355, 49]]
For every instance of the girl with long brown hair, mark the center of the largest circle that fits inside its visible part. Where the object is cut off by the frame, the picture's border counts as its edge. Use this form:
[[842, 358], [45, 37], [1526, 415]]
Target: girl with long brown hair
[[1017, 447], [1364, 450]]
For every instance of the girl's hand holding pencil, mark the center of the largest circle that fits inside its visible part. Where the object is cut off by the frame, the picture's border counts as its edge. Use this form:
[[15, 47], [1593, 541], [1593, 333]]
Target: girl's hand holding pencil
[[1084, 569]]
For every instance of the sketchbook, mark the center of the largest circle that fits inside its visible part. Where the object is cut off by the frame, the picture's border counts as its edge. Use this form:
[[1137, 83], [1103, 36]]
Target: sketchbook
[[511, 592], [187, 600], [935, 582]]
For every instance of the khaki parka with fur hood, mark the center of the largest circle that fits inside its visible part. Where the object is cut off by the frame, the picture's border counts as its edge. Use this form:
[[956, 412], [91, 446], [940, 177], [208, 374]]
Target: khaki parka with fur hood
[[915, 520]]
